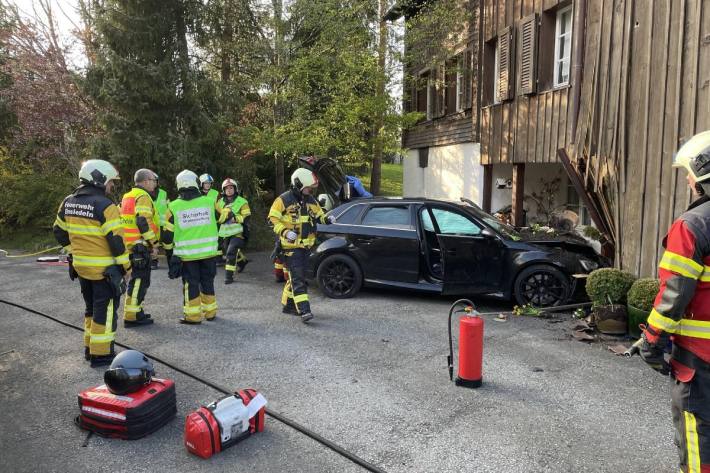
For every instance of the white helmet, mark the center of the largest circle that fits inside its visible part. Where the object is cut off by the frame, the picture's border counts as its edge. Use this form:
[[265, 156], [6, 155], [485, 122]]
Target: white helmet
[[230, 182], [97, 172], [326, 202], [206, 178], [186, 180], [302, 177], [694, 156]]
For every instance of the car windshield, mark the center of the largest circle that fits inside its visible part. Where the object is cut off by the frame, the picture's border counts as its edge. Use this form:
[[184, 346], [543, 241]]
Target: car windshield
[[497, 225]]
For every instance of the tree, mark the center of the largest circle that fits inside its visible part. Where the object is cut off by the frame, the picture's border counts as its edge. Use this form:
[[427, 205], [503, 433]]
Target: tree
[[155, 109]]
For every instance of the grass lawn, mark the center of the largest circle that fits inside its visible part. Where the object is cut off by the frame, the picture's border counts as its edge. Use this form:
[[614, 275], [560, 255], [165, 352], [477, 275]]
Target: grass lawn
[[27, 241], [391, 184]]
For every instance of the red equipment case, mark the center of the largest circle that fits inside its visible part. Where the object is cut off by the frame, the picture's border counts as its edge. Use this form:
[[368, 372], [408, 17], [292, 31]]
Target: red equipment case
[[202, 430], [129, 416]]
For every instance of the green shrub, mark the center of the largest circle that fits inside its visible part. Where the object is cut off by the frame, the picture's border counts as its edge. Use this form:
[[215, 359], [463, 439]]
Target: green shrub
[[609, 285], [643, 293]]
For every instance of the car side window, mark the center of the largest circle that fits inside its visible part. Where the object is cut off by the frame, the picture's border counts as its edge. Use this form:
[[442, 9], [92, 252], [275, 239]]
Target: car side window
[[388, 216], [427, 224], [349, 216], [452, 223]]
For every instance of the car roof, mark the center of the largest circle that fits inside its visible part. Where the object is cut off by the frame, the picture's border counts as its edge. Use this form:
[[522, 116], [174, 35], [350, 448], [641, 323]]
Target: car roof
[[406, 200]]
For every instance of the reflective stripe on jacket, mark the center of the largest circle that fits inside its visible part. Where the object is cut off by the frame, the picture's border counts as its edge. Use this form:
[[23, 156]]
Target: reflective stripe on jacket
[[240, 211], [195, 228], [288, 212], [89, 226], [137, 203], [682, 306]]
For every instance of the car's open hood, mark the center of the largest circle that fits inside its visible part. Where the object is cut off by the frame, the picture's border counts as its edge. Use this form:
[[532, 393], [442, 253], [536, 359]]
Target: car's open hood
[[331, 177]]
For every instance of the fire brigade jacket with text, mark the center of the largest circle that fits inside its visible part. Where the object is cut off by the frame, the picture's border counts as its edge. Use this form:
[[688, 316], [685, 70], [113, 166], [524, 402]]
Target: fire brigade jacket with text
[[89, 226], [240, 211], [288, 212], [682, 307], [191, 226], [140, 218]]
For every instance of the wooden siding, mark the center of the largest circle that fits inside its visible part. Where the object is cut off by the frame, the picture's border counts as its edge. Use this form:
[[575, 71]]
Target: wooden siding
[[645, 90], [451, 129], [528, 128]]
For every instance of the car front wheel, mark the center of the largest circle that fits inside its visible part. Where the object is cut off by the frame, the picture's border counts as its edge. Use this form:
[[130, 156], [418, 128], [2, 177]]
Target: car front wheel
[[541, 286], [339, 276]]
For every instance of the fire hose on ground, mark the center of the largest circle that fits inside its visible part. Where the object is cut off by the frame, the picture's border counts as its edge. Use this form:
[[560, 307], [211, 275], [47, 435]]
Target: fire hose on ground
[[276, 415]]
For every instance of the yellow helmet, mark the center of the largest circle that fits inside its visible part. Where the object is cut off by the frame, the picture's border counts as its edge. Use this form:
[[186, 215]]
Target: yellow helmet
[[694, 156]]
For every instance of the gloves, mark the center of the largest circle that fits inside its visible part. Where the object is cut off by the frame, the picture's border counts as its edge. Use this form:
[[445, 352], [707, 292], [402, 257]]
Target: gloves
[[291, 236], [72, 272], [651, 350], [114, 276], [174, 267]]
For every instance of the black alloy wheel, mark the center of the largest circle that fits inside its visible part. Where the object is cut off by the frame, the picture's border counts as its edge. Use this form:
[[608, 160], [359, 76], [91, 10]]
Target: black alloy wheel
[[541, 286], [339, 276]]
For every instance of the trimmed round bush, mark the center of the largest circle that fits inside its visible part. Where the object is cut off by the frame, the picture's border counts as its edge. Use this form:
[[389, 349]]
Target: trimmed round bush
[[609, 285], [643, 293]]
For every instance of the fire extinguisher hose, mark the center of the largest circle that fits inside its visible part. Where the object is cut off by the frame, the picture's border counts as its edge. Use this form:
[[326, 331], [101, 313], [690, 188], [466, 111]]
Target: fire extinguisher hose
[[450, 358], [276, 415]]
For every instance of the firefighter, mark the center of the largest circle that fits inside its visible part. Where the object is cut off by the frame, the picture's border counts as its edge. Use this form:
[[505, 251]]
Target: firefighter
[[191, 228], [161, 201], [232, 231], [206, 182], [141, 233], [294, 215], [681, 312], [89, 226]]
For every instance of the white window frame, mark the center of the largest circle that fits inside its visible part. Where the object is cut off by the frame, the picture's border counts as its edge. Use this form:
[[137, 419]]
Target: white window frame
[[459, 81], [557, 79], [496, 74]]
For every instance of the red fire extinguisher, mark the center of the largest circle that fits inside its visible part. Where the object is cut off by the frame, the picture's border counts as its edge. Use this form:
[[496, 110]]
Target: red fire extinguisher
[[470, 345]]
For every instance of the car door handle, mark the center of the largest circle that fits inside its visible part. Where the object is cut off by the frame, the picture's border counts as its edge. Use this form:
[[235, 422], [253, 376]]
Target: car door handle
[[365, 240], [451, 252]]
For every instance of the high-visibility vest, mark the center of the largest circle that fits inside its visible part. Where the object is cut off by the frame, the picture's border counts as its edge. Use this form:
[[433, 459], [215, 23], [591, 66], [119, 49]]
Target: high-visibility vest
[[233, 228], [213, 194], [129, 209], [195, 228], [161, 205]]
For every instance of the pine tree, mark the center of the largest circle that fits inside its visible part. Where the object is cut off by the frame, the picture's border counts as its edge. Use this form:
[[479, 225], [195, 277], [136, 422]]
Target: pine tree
[[154, 106]]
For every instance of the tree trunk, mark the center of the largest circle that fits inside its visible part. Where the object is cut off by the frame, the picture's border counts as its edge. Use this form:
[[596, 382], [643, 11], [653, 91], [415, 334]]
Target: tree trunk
[[376, 175]]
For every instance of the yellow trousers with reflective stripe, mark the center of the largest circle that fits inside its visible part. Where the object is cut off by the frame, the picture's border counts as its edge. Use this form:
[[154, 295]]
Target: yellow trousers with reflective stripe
[[100, 316]]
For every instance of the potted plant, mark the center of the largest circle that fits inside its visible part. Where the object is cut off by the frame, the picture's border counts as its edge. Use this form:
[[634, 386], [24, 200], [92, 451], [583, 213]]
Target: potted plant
[[607, 289], [639, 302]]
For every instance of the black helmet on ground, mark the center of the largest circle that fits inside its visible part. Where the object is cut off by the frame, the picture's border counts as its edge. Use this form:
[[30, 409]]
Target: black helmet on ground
[[129, 372]]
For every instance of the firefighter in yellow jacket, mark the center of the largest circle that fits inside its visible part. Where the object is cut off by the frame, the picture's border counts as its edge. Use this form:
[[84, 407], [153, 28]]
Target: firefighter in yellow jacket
[[141, 233], [294, 216], [89, 226]]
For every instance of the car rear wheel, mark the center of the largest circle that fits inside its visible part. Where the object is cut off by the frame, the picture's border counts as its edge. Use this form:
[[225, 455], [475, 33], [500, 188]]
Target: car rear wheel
[[541, 286], [339, 276]]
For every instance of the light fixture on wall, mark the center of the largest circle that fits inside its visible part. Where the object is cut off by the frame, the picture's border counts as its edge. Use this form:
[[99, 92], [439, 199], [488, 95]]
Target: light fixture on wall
[[503, 183]]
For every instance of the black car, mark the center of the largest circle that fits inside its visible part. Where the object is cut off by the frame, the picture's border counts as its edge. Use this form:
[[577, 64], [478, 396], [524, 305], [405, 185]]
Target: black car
[[437, 246]]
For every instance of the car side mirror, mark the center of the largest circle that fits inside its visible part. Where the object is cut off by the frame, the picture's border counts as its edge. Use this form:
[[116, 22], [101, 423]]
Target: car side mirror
[[488, 234]]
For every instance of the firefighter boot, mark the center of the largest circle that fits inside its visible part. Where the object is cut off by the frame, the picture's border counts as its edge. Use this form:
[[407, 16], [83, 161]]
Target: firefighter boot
[[141, 319], [208, 304], [229, 274]]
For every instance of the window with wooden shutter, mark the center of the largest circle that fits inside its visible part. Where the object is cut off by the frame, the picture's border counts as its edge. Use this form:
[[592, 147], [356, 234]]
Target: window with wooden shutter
[[527, 47], [452, 72], [505, 64]]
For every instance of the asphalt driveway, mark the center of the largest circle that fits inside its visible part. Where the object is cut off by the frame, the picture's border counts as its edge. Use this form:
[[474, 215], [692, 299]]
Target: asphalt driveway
[[368, 373]]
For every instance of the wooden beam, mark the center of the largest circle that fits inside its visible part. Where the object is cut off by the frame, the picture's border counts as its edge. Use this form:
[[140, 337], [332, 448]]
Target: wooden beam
[[518, 194], [487, 187]]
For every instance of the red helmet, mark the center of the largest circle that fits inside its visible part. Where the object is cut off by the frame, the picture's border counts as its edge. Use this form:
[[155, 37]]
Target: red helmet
[[230, 182]]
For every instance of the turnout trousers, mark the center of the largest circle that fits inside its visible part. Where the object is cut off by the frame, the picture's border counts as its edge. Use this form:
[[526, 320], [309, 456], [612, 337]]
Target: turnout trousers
[[135, 295], [295, 292], [690, 404], [198, 289], [232, 249], [99, 316]]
